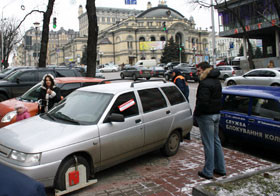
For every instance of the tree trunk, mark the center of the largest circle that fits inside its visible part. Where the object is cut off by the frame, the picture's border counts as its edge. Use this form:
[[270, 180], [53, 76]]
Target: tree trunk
[[92, 38], [45, 34]]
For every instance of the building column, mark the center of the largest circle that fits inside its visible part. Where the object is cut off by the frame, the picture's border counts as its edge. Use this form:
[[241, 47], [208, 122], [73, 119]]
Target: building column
[[277, 42], [244, 48]]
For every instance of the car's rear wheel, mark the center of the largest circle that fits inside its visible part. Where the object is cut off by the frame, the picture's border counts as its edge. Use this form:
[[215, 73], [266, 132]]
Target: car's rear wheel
[[134, 77], [3, 97], [275, 84], [148, 78], [172, 144], [231, 82], [62, 176], [122, 76]]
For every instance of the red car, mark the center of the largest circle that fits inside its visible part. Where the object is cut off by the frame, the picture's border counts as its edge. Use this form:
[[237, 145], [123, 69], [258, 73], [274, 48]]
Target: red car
[[30, 97]]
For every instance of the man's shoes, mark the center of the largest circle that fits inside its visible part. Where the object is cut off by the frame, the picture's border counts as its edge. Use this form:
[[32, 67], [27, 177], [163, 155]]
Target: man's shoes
[[219, 173], [203, 176]]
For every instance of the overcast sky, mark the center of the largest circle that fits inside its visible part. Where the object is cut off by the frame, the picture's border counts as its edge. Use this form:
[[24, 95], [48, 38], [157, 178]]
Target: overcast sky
[[66, 11]]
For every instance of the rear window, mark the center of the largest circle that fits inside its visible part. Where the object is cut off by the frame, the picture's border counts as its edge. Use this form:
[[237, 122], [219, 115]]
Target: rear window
[[236, 68], [173, 95], [65, 73]]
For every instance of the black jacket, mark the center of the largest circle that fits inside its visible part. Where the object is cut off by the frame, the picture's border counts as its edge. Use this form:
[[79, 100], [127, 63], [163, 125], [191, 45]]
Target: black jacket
[[209, 93], [52, 101]]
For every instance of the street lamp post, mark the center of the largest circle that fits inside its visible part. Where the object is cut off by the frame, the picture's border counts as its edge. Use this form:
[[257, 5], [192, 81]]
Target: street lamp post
[[213, 35], [100, 57], [36, 24]]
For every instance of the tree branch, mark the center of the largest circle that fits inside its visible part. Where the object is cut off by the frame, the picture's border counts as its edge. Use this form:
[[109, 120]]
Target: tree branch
[[28, 15]]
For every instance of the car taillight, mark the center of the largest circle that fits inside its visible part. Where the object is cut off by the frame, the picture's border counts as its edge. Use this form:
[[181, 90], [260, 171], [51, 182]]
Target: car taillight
[[152, 72], [191, 74], [141, 72], [233, 72]]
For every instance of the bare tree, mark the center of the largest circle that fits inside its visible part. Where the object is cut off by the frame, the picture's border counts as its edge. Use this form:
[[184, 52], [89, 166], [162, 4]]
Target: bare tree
[[92, 38], [235, 14], [276, 4], [11, 38]]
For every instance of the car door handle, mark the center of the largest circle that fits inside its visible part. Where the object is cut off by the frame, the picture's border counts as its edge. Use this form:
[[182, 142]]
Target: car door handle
[[251, 120], [168, 112], [138, 121]]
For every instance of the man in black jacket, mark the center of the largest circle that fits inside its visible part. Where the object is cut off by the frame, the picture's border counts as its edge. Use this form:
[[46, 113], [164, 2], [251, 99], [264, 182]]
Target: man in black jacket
[[207, 114]]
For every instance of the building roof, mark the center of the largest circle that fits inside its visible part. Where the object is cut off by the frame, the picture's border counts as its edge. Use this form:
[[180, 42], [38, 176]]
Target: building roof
[[160, 11]]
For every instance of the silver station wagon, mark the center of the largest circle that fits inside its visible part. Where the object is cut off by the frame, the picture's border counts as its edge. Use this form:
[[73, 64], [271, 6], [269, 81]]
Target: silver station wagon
[[96, 127]]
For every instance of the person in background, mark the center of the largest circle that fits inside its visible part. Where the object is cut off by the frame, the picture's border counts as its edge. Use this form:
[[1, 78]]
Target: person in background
[[22, 112], [49, 93], [270, 64], [181, 83], [207, 114]]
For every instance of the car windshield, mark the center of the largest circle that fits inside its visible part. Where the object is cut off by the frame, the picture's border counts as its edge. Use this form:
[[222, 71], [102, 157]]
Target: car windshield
[[81, 107], [11, 76], [32, 94]]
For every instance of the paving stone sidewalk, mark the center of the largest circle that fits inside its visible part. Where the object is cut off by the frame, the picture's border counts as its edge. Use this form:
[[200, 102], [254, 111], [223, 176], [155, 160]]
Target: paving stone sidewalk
[[155, 175]]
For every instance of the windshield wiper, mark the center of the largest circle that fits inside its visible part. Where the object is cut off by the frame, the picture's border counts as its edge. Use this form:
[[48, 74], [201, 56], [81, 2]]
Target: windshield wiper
[[50, 116], [61, 116]]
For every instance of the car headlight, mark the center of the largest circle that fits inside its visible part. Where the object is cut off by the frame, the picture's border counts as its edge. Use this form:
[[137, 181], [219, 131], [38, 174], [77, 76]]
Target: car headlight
[[8, 117], [25, 159]]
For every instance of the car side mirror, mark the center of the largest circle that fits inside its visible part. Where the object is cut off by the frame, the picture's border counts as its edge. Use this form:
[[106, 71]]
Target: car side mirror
[[114, 117]]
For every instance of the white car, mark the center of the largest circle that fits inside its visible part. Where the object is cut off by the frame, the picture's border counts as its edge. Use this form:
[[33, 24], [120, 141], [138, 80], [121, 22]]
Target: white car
[[261, 76], [109, 68]]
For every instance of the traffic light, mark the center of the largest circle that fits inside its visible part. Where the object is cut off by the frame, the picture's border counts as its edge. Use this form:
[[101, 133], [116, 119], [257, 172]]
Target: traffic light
[[54, 22], [164, 26]]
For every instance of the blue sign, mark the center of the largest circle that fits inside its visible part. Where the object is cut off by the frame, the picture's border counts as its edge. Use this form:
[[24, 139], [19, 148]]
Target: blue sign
[[206, 58], [131, 2], [231, 45]]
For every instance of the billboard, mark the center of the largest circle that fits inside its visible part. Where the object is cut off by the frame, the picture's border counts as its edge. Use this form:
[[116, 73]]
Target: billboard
[[151, 45]]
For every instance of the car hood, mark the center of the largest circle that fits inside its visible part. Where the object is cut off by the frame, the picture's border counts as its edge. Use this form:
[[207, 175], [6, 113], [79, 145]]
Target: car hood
[[35, 134], [4, 82]]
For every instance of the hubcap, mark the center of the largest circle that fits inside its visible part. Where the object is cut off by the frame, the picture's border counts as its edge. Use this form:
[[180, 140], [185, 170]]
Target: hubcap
[[173, 142]]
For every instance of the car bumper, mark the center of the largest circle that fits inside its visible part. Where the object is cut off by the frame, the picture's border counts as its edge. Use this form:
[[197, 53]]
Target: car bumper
[[44, 174]]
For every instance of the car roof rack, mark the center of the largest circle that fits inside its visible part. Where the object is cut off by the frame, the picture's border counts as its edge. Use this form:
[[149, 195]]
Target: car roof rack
[[140, 81]]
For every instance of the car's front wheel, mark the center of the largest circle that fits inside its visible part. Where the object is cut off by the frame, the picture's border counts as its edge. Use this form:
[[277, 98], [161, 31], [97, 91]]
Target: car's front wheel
[[122, 76], [134, 77], [67, 166], [172, 144], [225, 77], [231, 82]]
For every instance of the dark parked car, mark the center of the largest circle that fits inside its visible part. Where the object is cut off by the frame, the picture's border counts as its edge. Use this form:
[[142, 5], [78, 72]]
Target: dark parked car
[[170, 65], [21, 80], [157, 71], [136, 72], [189, 73], [9, 70]]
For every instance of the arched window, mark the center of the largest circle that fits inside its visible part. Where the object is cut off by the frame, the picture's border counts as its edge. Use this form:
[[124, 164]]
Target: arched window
[[141, 39], [129, 40], [162, 38], [152, 38]]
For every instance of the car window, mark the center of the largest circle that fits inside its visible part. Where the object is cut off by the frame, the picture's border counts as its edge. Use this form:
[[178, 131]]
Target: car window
[[28, 76], [32, 94], [65, 73], [152, 99], [66, 89], [89, 83], [268, 74], [173, 94], [44, 72], [125, 104], [267, 108], [236, 103], [254, 73]]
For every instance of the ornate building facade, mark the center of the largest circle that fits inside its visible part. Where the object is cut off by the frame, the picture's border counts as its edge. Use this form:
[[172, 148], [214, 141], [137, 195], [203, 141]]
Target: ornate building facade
[[140, 34]]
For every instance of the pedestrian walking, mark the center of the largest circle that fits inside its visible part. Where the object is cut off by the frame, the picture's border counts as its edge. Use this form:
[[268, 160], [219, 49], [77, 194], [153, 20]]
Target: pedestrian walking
[[207, 114], [22, 112], [49, 93], [181, 83]]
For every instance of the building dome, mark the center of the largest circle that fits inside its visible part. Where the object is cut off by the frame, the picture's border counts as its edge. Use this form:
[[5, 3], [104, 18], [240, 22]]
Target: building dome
[[160, 11]]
